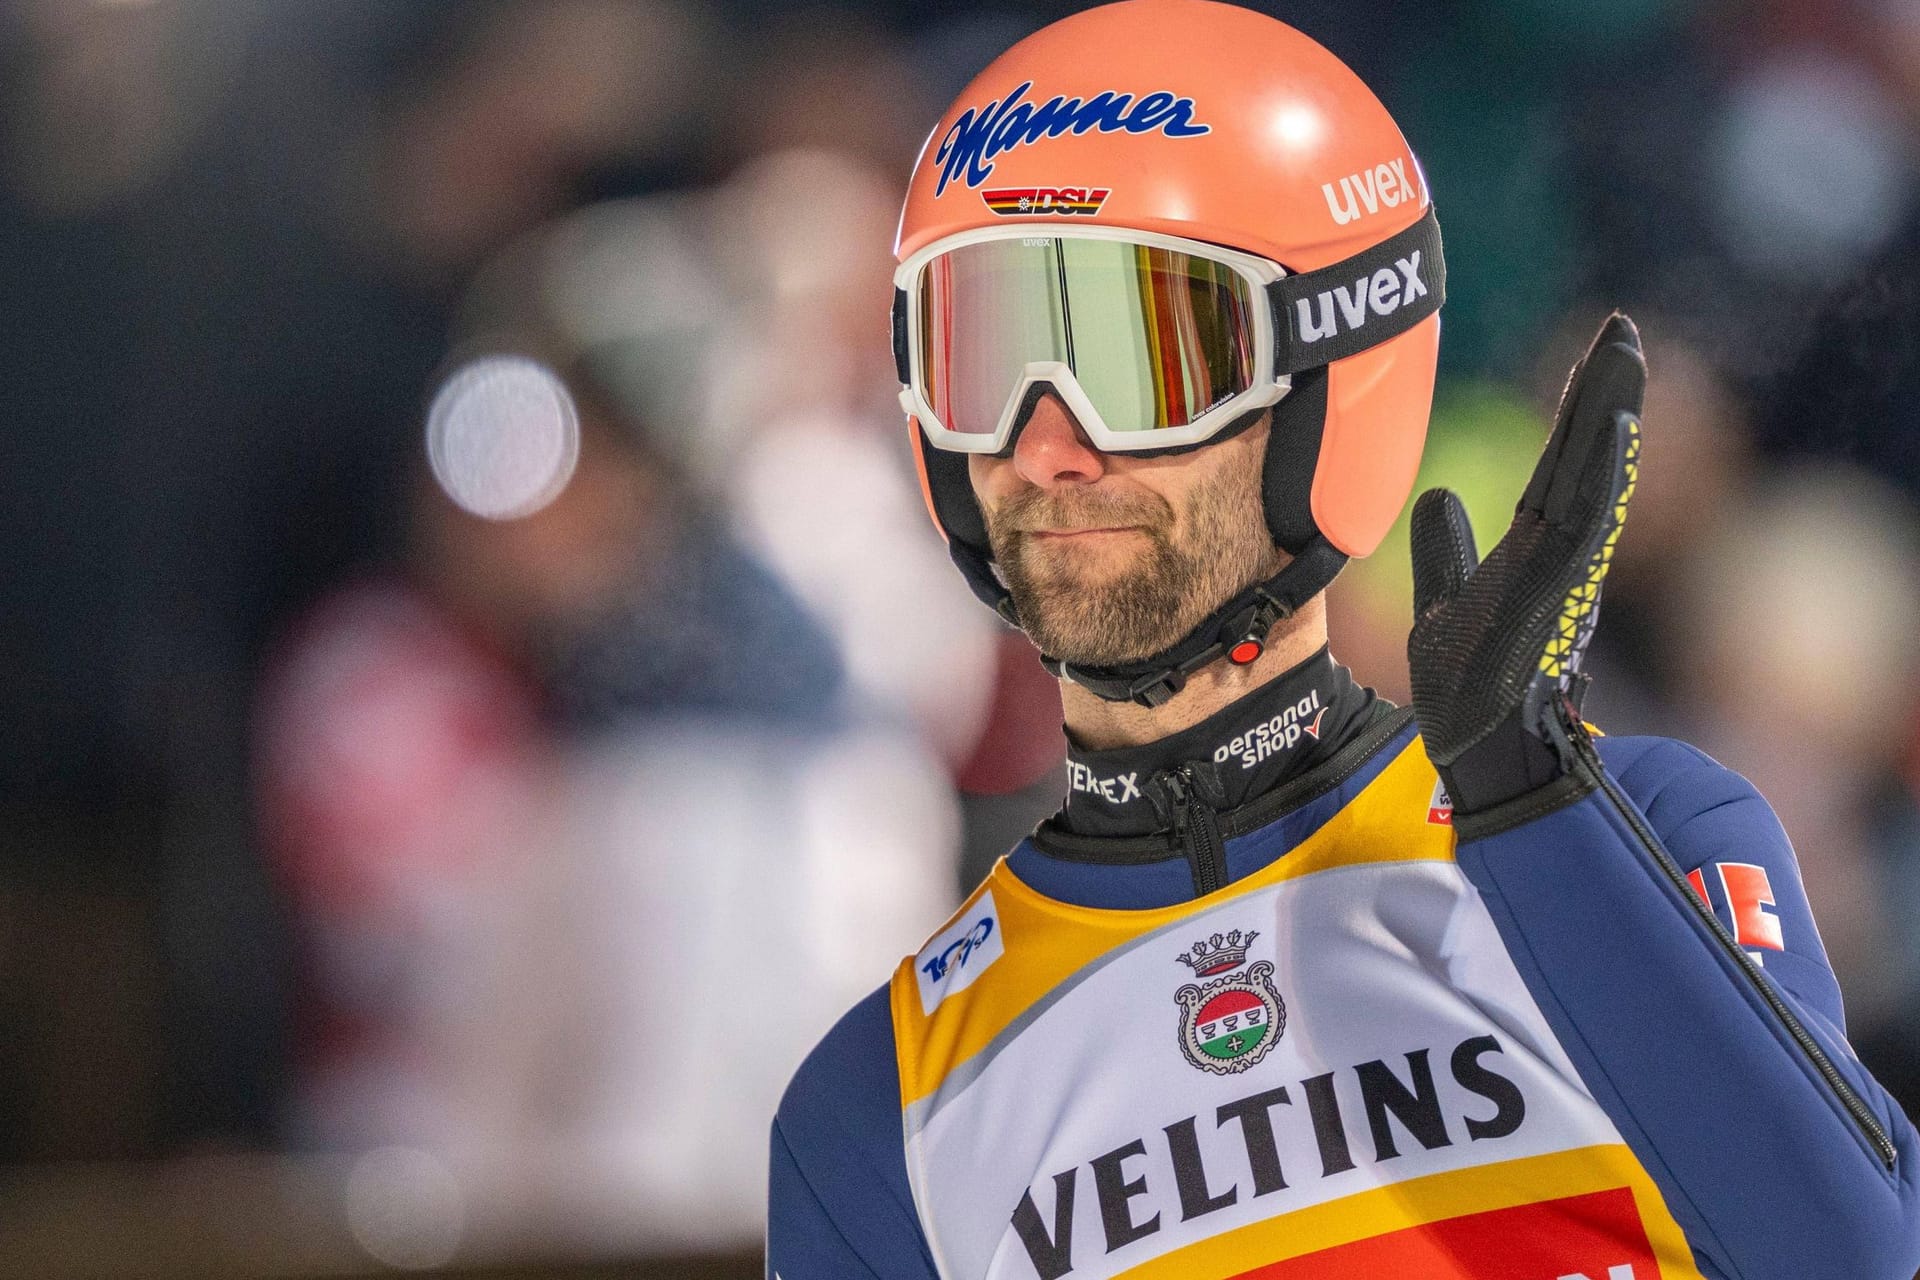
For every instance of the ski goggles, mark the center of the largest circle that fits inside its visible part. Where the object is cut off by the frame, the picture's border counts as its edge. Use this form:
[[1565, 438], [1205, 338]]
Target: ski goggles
[[1152, 341]]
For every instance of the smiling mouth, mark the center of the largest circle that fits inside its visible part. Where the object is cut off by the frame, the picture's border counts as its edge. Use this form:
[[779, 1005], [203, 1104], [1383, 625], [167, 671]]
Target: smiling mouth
[[1058, 534]]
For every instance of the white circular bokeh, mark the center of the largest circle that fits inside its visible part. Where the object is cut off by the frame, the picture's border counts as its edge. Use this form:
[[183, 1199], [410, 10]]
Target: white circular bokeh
[[1814, 166], [503, 436], [405, 1208]]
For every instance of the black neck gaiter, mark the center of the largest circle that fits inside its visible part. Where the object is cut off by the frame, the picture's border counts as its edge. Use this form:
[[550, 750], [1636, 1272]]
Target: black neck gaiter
[[1275, 733]]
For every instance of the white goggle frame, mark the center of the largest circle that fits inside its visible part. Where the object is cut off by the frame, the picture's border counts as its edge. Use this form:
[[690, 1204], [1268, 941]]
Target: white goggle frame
[[1264, 388]]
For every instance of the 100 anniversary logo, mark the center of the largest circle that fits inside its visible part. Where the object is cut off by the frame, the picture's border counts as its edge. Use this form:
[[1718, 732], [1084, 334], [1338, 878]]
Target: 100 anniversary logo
[[1230, 1023]]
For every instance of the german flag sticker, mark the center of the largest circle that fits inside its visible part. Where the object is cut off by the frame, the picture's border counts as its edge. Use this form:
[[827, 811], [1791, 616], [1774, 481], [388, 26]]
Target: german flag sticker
[[1028, 202]]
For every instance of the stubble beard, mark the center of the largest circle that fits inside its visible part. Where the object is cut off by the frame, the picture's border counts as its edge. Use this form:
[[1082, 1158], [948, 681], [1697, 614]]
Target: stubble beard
[[1109, 616]]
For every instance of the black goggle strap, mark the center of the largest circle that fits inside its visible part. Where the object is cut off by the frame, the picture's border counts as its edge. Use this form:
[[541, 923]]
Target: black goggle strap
[[1243, 621], [1339, 311], [902, 365]]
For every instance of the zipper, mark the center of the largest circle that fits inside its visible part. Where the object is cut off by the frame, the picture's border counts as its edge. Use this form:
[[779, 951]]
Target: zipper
[[1196, 832], [1863, 1116], [1387, 722]]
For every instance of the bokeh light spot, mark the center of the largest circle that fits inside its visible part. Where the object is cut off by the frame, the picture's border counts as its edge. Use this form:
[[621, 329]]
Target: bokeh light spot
[[503, 436], [405, 1208]]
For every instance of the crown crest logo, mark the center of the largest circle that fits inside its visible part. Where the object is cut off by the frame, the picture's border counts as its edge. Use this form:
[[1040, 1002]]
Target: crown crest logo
[[1219, 953]]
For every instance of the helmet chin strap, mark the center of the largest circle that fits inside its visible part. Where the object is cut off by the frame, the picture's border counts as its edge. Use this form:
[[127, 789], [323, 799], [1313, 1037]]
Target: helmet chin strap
[[1236, 631]]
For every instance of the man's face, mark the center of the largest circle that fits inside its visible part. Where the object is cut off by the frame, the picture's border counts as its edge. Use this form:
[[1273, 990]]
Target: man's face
[[1112, 558]]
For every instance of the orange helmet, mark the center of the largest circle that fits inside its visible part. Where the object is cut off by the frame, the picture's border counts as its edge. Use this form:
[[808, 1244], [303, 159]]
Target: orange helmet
[[1235, 149]]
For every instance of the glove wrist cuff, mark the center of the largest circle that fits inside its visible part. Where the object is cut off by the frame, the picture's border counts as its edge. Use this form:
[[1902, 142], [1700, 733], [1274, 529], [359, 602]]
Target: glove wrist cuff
[[1479, 824], [1508, 762]]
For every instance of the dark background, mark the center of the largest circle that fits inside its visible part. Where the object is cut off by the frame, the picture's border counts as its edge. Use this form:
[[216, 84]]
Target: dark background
[[242, 242]]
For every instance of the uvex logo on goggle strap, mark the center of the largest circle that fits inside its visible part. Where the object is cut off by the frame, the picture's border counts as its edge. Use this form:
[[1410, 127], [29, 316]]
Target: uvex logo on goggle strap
[[982, 133], [1379, 293], [1340, 309], [1011, 202]]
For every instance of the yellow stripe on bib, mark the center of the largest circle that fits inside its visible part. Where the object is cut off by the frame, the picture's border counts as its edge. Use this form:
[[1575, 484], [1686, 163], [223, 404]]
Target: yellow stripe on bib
[[1047, 942]]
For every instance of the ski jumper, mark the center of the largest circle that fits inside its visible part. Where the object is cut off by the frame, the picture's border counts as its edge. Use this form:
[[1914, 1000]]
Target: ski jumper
[[1248, 1008]]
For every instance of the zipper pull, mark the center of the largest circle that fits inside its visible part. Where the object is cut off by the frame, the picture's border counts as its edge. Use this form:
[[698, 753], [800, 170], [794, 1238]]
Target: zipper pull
[[1551, 716], [1196, 832], [1179, 787]]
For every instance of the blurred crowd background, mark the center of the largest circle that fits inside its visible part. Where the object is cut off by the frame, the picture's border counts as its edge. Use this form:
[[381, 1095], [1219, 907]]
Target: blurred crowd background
[[479, 693]]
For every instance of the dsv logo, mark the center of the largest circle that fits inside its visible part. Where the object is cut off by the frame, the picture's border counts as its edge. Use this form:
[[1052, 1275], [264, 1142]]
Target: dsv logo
[[959, 951], [1064, 201]]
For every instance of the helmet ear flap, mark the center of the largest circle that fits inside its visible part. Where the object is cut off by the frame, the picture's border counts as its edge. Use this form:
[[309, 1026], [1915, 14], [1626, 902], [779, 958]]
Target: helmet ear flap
[[1293, 454], [1377, 405], [945, 484]]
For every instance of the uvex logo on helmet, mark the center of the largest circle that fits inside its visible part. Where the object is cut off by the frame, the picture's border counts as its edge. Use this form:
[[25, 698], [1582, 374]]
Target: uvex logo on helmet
[[1384, 186], [983, 133]]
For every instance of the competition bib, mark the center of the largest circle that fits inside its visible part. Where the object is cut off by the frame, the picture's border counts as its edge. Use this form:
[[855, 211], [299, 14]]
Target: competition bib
[[1329, 1070]]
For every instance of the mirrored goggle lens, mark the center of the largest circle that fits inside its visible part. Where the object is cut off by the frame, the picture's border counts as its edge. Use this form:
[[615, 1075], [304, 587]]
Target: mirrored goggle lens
[[1155, 337]]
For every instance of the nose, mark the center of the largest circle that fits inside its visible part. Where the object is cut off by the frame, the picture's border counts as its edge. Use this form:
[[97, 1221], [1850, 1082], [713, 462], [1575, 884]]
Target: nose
[[1053, 450]]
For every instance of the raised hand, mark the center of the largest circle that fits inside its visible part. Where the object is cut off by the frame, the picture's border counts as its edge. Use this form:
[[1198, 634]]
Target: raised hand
[[1496, 644]]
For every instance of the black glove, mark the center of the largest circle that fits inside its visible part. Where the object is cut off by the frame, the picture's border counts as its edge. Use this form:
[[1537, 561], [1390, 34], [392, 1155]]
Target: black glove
[[1496, 645]]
